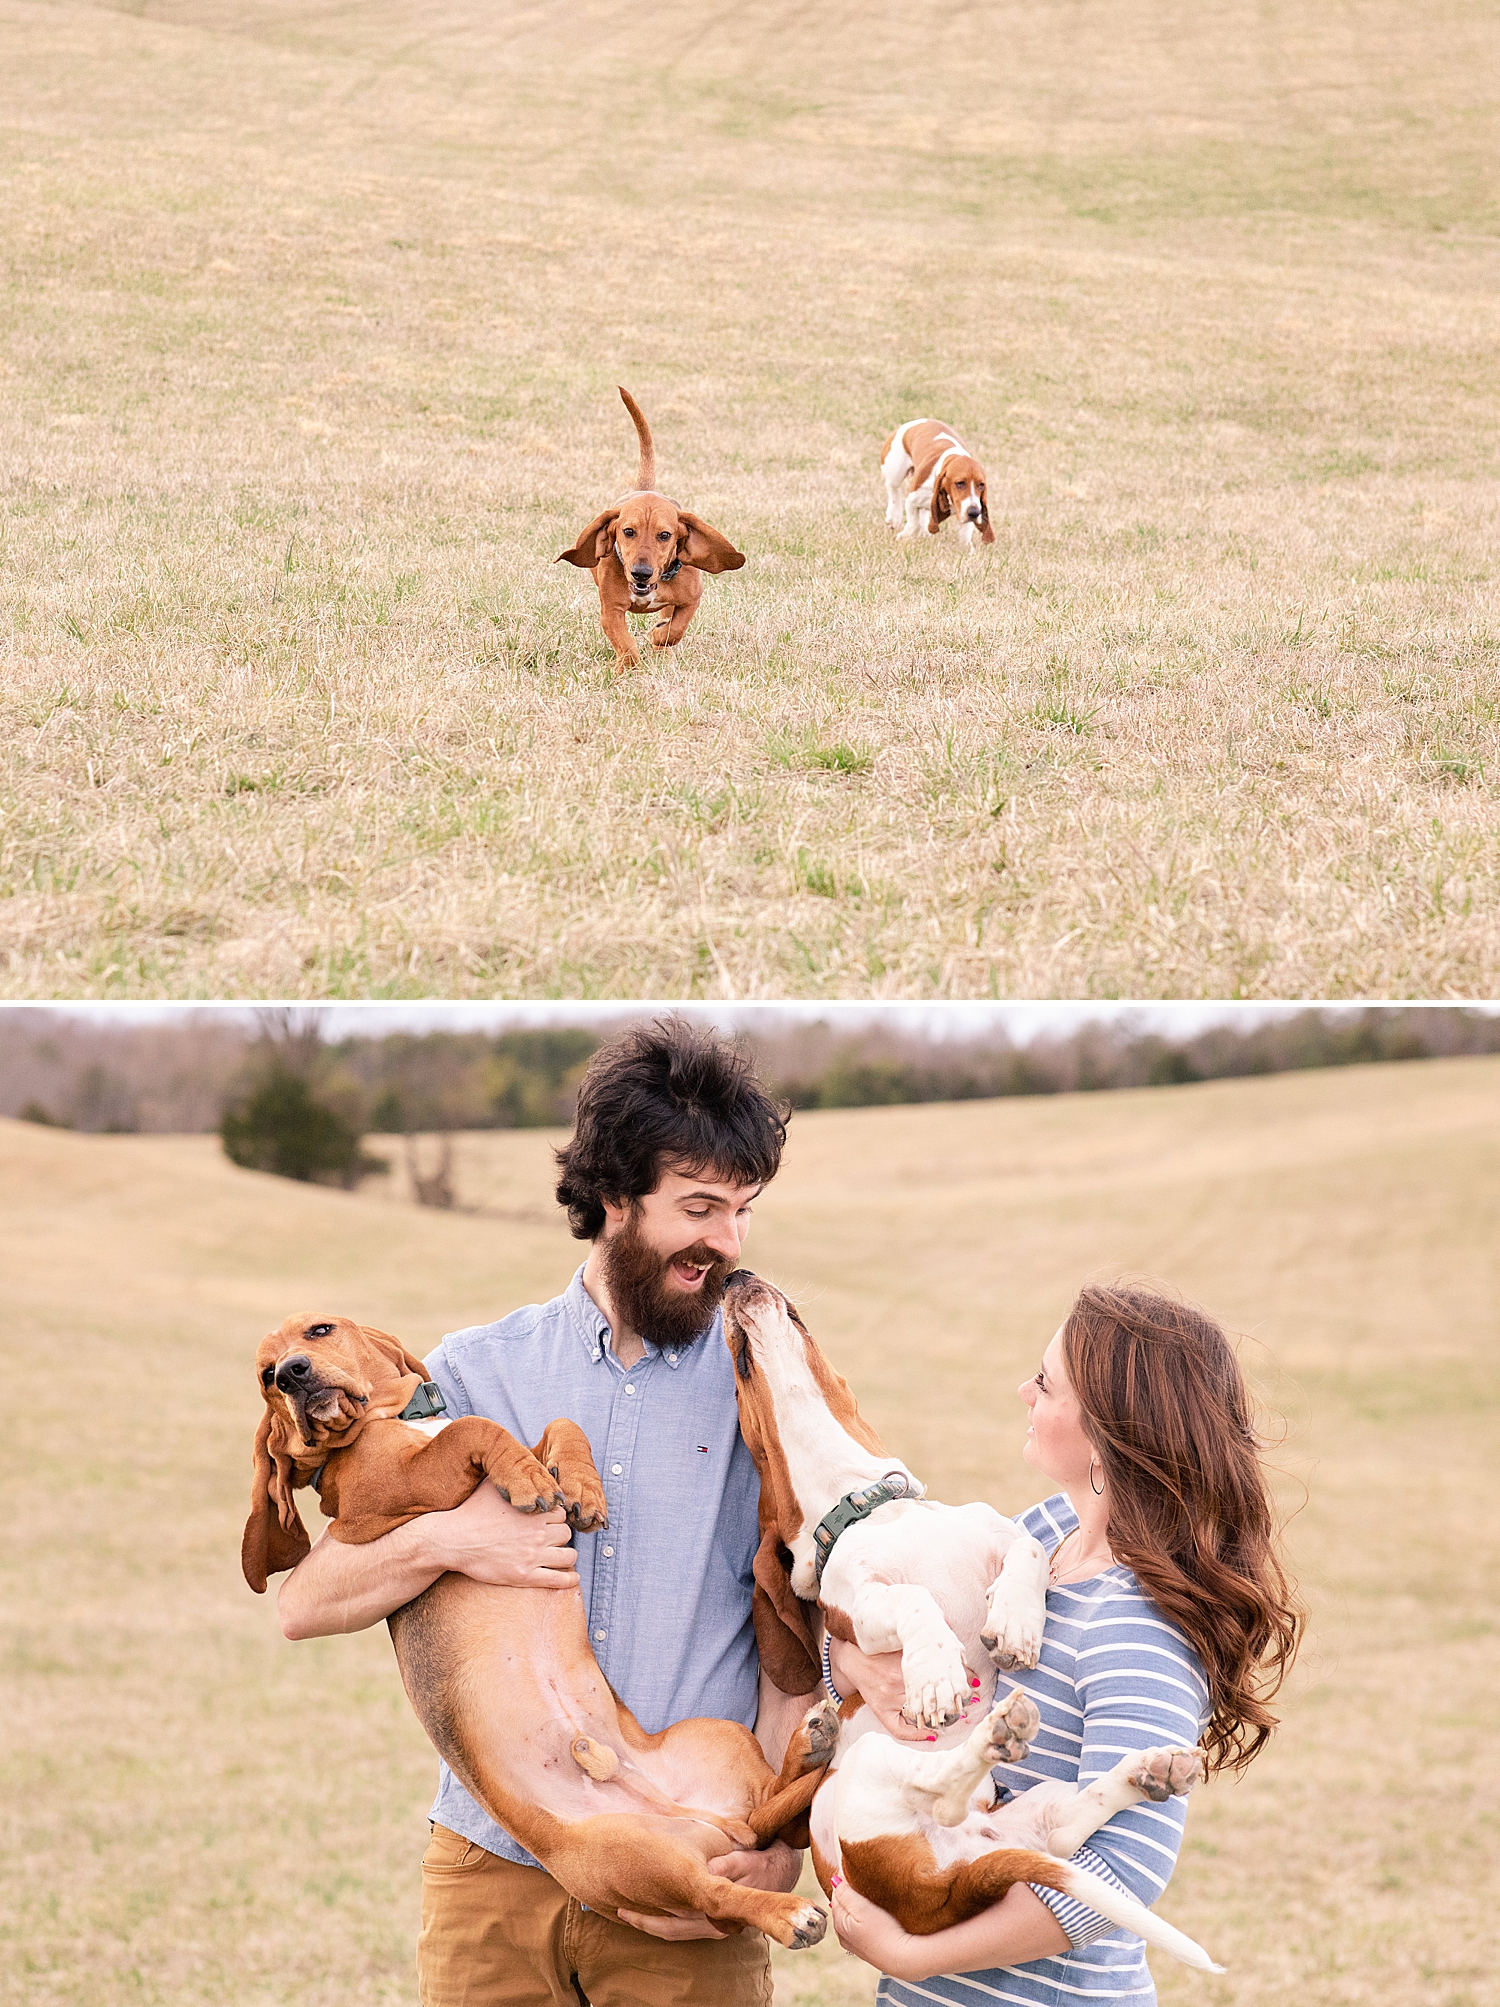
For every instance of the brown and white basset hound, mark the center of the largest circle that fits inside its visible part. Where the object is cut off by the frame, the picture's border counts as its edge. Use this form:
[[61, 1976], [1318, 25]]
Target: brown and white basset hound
[[503, 1680], [958, 1590], [648, 556], [931, 475]]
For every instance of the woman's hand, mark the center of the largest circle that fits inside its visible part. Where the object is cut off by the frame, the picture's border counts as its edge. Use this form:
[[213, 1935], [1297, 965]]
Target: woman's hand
[[875, 1937], [878, 1679], [776, 1867]]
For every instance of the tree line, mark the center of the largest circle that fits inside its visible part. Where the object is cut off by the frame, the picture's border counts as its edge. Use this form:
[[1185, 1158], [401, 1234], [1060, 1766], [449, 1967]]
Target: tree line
[[275, 1072]]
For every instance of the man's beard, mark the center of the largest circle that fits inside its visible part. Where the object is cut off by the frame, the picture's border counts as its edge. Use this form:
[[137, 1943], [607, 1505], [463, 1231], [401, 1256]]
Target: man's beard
[[644, 1299]]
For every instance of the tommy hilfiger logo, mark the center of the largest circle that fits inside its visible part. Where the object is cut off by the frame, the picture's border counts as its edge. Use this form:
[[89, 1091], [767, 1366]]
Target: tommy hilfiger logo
[[703, 1449]]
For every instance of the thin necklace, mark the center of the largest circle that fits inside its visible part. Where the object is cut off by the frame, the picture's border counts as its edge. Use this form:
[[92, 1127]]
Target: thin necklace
[[1055, 1564]]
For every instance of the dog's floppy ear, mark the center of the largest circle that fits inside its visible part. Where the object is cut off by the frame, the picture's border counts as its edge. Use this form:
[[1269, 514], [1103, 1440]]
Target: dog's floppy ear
[[942, 502], [783, 1623], [275, 1538], [986, 534], [593, 545], [704, 548], [392, 1349]]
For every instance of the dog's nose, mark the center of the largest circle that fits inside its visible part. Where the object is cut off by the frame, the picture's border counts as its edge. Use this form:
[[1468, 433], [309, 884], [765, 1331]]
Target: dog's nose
[[641, 573], [291, 1373], [740, 1275]]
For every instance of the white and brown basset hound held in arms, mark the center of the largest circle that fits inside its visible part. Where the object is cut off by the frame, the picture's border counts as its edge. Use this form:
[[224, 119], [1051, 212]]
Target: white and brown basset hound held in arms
[[648, 556], [931, 475], [957, 1590], [503, 1680]]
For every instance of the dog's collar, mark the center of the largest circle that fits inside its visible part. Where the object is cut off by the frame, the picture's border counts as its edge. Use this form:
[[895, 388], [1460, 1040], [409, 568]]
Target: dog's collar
[[855, 1506], [426, 1401], [671, 571]]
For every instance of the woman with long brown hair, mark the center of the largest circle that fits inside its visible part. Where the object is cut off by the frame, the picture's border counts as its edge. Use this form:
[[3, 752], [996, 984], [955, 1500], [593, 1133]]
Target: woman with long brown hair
[[1169, 1620]]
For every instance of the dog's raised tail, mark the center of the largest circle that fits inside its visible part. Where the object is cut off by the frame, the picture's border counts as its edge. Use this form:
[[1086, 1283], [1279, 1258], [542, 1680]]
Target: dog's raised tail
[[647, 476], [1124, 1910]]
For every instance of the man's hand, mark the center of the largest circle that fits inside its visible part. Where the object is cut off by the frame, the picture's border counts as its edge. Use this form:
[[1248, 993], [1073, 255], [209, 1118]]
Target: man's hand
[[339, 1588], [490, 1541], [775, 1867], [878, 1679]]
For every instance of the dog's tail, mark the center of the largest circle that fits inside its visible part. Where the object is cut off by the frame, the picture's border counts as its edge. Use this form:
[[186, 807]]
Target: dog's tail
[[647, 476], [1097, 1894]]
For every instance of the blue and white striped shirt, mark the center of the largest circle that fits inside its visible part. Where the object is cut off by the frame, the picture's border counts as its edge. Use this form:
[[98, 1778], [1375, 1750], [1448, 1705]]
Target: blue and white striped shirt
[[1115, 1676], [668, 1584]]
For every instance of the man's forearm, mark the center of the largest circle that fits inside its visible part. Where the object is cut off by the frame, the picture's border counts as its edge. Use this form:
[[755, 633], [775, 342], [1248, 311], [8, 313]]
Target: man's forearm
[[777, 1717], [340, 1587]]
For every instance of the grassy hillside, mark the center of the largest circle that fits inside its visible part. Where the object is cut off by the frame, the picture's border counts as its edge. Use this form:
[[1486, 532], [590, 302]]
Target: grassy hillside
[[198, 1812], [309, 340]]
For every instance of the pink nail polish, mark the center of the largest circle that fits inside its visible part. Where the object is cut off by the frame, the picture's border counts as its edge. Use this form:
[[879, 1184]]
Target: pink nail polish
[[932, 1738], [973, 1682]]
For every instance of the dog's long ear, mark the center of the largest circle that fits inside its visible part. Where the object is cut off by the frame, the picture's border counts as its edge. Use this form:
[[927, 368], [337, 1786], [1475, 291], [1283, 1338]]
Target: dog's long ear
[[392, 1349], [986, 534], [705, 548], [593, 545], [942, 503], [783, 1623], [275, 1538]]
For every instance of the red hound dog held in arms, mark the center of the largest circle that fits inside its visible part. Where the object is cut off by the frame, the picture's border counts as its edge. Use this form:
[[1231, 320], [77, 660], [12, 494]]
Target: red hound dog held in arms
[[956, 1590], [931, 475], [503, 1680], [648, 556]]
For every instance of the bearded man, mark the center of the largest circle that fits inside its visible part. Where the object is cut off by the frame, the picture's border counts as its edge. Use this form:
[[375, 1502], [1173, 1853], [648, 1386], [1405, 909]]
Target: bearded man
[[674, 1141]]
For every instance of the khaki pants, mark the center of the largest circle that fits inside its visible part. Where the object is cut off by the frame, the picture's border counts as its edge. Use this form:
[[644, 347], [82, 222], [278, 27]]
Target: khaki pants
[[498, 1935]]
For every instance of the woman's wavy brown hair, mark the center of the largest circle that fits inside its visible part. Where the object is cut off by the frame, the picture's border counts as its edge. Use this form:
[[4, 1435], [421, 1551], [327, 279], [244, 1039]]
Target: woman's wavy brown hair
[[1165, 1406]]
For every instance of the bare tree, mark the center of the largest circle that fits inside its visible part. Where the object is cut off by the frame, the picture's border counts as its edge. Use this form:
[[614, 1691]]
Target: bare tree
[[436, 1188]]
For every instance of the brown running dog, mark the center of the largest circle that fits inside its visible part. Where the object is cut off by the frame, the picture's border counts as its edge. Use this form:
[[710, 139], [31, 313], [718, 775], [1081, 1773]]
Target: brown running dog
[[648, 556], [503, 1680]]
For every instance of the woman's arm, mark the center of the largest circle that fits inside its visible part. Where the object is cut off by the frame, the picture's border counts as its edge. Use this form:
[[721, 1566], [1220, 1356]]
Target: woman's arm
[[1013, 1931], [877, 1680]]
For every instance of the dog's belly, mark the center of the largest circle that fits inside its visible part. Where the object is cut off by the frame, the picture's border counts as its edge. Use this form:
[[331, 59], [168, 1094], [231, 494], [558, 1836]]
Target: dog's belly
[[511, 1697]]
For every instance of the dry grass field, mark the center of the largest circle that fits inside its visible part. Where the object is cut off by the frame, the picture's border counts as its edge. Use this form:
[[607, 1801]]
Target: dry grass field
[[198, 1814], [311, 325]]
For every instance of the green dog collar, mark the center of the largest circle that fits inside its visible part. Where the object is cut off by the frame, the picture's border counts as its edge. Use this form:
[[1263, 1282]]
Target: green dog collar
[[857, 1505], [426, 1401]]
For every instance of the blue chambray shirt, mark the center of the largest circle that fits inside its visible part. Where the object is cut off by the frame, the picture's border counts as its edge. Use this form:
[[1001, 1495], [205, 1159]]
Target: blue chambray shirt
[[667, 1585]]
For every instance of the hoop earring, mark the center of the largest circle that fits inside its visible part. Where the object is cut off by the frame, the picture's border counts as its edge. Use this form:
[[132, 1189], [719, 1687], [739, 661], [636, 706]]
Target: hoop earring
[[1096, 1489]]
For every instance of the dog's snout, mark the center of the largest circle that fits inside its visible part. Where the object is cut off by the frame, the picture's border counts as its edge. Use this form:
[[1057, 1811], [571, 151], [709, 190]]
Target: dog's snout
[[641, 573], [292, 1373], [740, 1275]]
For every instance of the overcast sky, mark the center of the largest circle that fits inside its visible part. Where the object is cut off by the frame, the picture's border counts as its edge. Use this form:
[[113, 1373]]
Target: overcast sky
[[1022, 1021]]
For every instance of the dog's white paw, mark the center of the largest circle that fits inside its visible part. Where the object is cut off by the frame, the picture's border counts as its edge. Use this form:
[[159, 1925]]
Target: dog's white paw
[[1013, 1631], [937, 1683], [1166, 1773], [1012, 1728]]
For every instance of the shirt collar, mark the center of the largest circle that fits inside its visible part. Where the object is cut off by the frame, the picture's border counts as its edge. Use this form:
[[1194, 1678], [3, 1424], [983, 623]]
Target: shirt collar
[[592, 1327]]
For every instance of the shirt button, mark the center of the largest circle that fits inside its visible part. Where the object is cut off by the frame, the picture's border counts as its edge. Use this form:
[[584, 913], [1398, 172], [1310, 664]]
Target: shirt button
[[601, 1636], [630, 1390], [615, 1469], [608, 1552]]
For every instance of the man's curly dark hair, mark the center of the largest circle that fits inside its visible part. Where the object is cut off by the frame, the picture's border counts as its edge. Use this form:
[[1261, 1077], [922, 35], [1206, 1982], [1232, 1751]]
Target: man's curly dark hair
[[662, 1096]]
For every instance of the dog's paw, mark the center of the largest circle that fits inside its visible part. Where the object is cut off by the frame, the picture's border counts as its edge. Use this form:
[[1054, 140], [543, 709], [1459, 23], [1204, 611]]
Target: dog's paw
[[1012, 1634], [1012, 1728], [1166, 1773], [807, 1926], [937, 1683], [821, 1725]]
